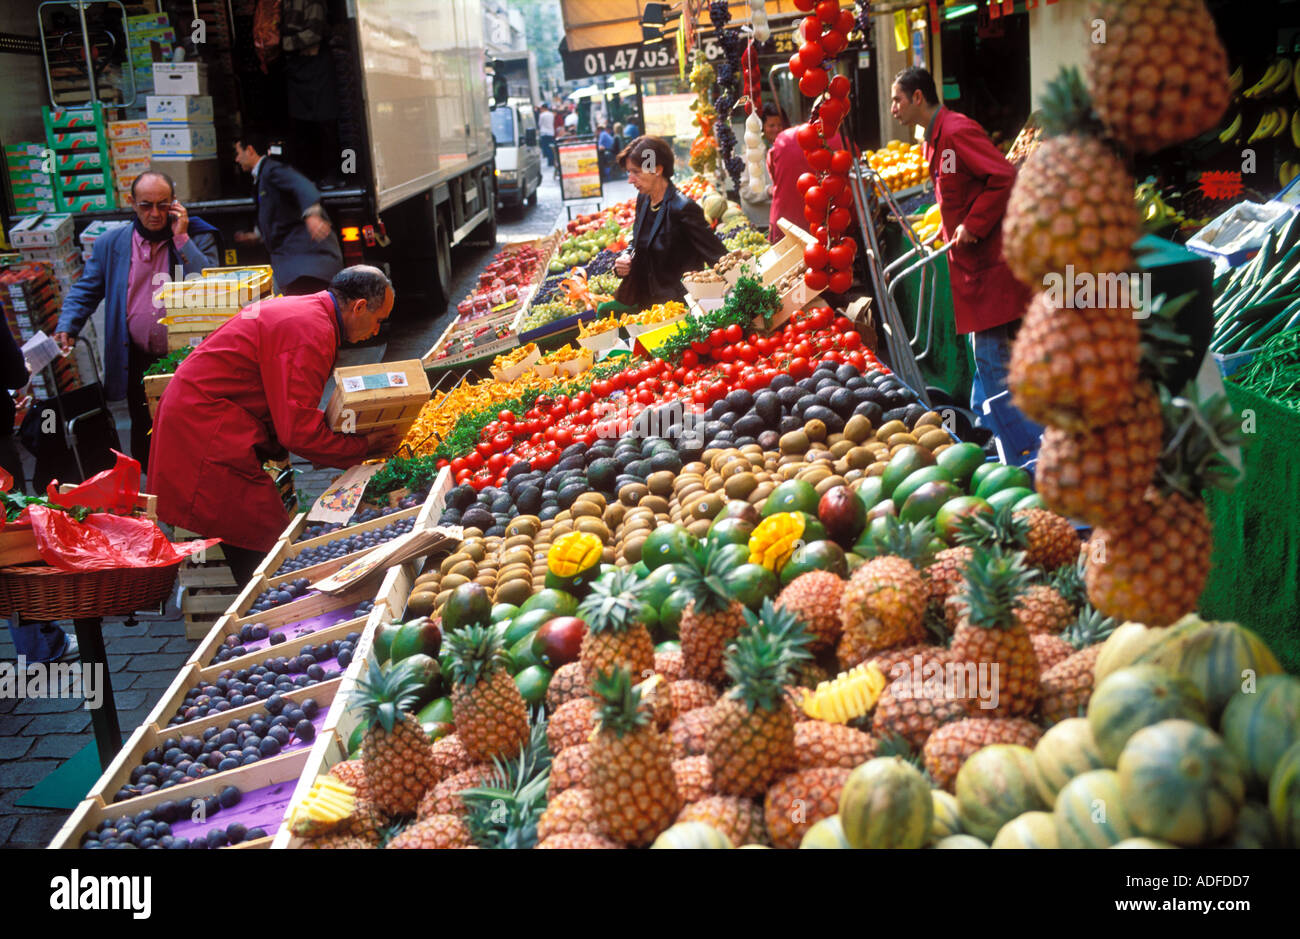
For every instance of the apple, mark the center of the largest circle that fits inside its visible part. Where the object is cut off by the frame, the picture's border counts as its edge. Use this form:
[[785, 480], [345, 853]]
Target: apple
[[558, 641]]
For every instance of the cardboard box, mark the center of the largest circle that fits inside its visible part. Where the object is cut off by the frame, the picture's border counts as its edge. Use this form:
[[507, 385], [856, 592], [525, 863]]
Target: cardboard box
[[180, 78], [28, 178], [196, 179], [27, 148], [84, 182], [373, 397], [84, 161], [74, 140], [74, 118], [127, 130], [130, 166], [26, 165], [183, 140], [60, 253], [97, 229], [35, 206], [88, 202], [130, 148], [179, 109], [41, 231], [148, 21]]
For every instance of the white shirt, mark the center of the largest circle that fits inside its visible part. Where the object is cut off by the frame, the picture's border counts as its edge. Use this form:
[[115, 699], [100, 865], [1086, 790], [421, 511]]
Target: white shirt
[[546, 124], [571, 120]]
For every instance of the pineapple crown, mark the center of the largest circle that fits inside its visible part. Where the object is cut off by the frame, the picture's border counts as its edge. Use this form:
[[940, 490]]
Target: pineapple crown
[[1199, 436], [994, 581], [1066, 106], [912, 541], [612, 605], [764, 657], [999, 529], [476, 654], [702, 580], [1091, 627], [1068, 581], [1164, 346], [618, 702], [505, 814], [385, 694]]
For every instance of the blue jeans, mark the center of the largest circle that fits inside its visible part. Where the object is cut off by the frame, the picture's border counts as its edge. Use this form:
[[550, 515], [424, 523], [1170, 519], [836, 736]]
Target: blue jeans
[[38, 642], [991, 401]]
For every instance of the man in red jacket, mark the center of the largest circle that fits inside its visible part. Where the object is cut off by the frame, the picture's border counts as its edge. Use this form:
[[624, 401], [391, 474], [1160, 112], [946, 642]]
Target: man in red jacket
[[248, 391], [972, 183]]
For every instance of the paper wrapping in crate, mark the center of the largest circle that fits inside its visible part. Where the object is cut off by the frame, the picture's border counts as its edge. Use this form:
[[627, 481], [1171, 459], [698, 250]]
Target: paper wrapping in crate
[[545, 369], [705, 289], [511, 372], [600, 342], [575, 367]]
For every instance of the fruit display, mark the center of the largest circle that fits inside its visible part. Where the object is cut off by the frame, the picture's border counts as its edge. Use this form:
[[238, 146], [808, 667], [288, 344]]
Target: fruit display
[[900, 165], [1257, 301], [170, 826]]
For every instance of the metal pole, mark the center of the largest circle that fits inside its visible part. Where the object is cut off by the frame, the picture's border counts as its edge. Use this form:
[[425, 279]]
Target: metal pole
[[85, 44]]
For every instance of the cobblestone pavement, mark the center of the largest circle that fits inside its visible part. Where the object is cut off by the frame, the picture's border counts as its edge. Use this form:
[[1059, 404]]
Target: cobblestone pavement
[[36, 736]]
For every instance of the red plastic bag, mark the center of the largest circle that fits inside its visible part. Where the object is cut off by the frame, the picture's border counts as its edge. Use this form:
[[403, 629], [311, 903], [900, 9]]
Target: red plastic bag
[[105, 542], [113, 490]]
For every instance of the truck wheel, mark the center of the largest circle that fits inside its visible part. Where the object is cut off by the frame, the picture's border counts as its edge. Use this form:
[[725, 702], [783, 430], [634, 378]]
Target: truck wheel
[[532, 198], [442, 245]]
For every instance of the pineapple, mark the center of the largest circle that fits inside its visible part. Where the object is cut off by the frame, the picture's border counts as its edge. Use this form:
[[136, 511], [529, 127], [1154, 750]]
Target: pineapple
[[1067, 686], [633, 791], [1074, 369], [505, 811], [1153, 566], [1047, 539], [751, 738], [343, 841], [689, 732], [490, 714], [709, 622], [799, 800], [821, 744], [885, 600], [694, 778], [568, 682], [1161, 75], [815, 599], [946, 573], [570, 767], [351, 773], [687, 695], [395, 752], [669, 665], [571, 725], [578, 842], [433, 832], [950, 745], [889, 660], [569, 812], [450, 756], [741, 820], [445, 797], [990, 641], [615, 636], [1072, 203], [1049, 650], [899, 713], [1042, 609]]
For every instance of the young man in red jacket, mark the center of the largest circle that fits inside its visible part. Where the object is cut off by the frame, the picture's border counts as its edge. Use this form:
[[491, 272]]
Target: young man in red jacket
[[972, 183], [249, 390]]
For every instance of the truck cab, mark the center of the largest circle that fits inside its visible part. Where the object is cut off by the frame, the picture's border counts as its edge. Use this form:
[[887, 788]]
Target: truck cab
[[518, 153]]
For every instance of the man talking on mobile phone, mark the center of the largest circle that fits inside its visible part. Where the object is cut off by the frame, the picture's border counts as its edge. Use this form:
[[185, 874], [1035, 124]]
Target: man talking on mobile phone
[[125, 271]]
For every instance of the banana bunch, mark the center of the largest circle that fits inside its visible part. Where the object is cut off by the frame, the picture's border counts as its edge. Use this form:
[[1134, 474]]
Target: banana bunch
[[1280, 73], [1295, 125], [1287, 172], [1273, 124], [1154, 212], [1232, 131]]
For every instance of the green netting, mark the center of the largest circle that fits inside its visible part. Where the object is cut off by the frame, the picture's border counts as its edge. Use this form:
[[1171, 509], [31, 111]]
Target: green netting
[[949, 365], [1255, 577]]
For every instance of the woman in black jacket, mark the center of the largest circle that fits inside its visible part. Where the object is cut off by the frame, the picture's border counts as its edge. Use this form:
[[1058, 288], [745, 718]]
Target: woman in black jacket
[[670, 236]]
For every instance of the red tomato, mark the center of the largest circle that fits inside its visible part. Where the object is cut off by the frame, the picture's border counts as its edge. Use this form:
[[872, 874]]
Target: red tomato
[[700, 347], [840, 86], [841, 281], [802, 349], [689, 358], [473, 460], [755, 381], [587, 438], [502, 441], [815, 256], [717, 339], [734, 333], [506, 417], [462, 477], [645, 396], [800, 367], [458, 466], [857, 359], [833, 356], [851, 340], [746, 353], [821, 317], [805, 182], [600, 388], [717, 390], [496, 463]]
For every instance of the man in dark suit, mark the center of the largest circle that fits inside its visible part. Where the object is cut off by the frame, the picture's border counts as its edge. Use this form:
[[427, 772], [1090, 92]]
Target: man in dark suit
[[125, 270], [305, 252]]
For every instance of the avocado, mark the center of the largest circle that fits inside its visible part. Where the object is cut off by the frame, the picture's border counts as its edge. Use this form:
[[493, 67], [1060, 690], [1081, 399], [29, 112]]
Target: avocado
[[557, 601], [815, 556], [601, 475], [740, 400], [468, 605], [767, 407], [793, 495], [666, 460], [751, 425]]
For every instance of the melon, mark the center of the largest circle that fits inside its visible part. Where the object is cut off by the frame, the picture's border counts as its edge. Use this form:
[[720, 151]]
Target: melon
[[692, 836], [1030, 830], [1089, 812], [1254, 828], [1180, 783], [1136, 697], [994, 786], [885, 803], [1284, 797], [714, 206], [1065, 751], [1258, 726], [947, 815], [1123, 647], [827, 833], [1219, 658], [1143, 843], [960, 842]]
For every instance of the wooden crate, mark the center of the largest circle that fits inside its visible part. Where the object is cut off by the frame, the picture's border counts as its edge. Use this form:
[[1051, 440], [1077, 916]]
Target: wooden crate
[[214, 573], [154, 386], [198, 625], [277, 770], [380, 396]]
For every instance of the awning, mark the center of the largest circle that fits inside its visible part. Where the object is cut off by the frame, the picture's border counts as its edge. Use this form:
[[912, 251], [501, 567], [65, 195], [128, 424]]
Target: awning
[[595, 24]]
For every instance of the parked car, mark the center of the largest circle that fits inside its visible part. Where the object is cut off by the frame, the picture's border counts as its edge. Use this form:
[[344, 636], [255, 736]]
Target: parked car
[[519, 157]]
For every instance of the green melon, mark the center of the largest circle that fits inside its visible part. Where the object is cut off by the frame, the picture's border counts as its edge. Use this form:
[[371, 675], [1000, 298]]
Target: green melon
[[827, 833], [1259, 726], [994, 786], [960, 842], [1123, 647], [1180, 783], [1137, 697], [1218, 657], [1066, 750], [694, 836], [885, 803], [947, 815], [1284, 797], [1030, 830], [1143, 843], [1090, 813], [1254, 828]]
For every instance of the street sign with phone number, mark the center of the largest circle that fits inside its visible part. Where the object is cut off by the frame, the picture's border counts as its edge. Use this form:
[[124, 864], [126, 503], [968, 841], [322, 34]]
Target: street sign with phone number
[[607, 60]]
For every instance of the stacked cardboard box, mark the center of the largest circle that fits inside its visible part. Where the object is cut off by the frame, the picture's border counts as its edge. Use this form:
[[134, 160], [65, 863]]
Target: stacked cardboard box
[[182, 135], [30, 179], [129, 151], [31, 300], [152, 39], [48, 239], [83, 177]]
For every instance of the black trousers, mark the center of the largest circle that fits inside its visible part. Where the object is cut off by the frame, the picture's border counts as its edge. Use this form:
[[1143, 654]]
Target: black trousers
[[305, 285], [138, 405], [243, 562]]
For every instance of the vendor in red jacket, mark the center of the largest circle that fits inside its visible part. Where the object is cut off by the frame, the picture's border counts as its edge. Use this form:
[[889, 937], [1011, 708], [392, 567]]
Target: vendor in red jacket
[[972, 183], [249, 391]]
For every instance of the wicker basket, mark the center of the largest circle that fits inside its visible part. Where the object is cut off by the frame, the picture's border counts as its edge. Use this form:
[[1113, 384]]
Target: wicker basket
[[40, 592]]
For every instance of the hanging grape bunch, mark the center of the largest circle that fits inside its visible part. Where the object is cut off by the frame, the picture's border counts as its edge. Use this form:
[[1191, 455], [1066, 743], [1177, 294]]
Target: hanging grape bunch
[[719, 14], [727, 94], [827, 195], [863, 24]]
